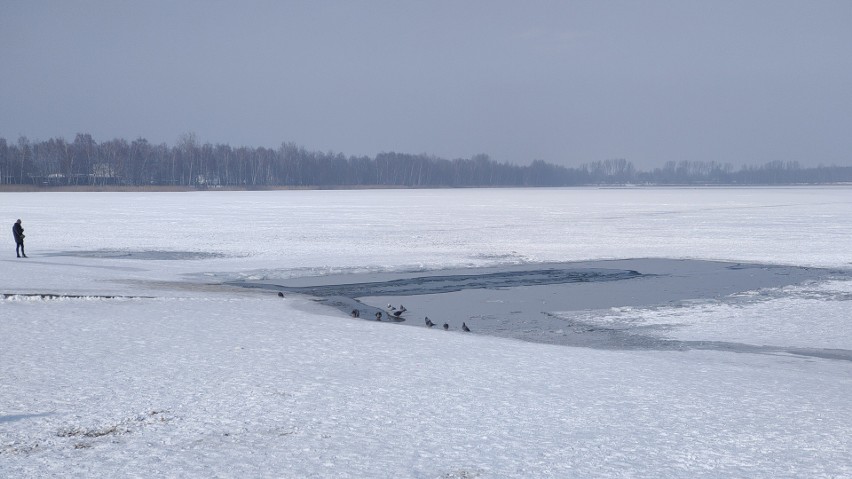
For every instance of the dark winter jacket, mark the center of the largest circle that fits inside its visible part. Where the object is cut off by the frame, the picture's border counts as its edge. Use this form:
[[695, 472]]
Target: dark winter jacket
[[18, 232]]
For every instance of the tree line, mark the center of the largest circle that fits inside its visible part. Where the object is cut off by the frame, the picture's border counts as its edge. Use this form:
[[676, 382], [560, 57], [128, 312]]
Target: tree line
[[188, 163]]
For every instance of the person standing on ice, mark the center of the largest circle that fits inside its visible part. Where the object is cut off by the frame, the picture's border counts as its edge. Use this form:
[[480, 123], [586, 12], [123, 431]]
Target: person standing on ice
[[18, 233]]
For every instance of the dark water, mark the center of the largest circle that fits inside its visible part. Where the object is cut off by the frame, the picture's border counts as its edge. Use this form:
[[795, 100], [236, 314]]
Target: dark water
[[438, 284]]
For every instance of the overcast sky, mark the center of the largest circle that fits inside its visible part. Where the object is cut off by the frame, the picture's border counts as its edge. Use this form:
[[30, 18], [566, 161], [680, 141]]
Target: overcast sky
[[568, 82]]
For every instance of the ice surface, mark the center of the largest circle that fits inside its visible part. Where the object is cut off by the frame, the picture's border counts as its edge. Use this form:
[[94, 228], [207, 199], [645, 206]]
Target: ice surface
[[156, 368]]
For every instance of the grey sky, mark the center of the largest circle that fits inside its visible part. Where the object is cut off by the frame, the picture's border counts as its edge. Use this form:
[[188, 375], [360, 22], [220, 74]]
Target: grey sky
[[567, 82]]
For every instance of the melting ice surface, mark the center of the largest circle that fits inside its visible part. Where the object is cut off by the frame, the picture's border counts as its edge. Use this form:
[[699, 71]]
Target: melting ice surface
[[129, 348]]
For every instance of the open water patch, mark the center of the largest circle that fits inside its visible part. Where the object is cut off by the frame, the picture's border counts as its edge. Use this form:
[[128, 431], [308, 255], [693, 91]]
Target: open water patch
[[529, 301], [448, 283]]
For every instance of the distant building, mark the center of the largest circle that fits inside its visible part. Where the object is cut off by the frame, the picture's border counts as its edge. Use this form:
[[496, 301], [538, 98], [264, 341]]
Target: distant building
[[104, 174], [202, 181], [103, 170]]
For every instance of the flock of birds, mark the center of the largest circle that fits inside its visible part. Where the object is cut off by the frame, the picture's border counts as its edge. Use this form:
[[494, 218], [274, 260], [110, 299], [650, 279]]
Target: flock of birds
[[395, 312]]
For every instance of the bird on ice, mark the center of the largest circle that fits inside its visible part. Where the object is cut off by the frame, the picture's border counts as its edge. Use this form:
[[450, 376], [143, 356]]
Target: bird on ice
[[465, 328], [397, 313], [378, 316], [429, 322], [446, 326], [280, 294]]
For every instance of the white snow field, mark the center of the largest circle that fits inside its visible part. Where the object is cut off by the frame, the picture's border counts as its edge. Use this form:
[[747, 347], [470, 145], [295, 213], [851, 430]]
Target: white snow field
[[123, 355]]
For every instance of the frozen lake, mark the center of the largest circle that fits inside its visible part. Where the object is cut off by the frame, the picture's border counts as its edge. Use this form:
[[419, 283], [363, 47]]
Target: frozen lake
[[130, 346]]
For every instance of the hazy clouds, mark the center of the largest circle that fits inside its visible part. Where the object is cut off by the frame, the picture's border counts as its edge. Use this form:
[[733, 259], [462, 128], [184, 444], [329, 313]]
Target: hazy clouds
[[566, 82]]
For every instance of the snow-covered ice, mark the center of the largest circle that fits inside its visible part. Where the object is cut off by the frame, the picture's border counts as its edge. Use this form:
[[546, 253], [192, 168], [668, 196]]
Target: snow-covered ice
[[155, 369]]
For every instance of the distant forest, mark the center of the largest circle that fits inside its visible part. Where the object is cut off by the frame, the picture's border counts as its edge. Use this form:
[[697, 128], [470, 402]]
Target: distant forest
[[57, 162]]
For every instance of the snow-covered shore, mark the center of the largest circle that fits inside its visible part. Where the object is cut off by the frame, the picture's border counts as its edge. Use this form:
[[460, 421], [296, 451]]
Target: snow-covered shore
[[184, 377]]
